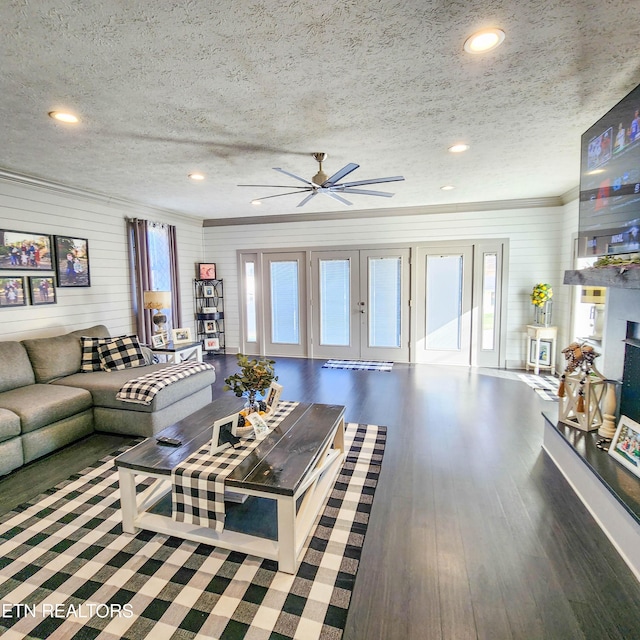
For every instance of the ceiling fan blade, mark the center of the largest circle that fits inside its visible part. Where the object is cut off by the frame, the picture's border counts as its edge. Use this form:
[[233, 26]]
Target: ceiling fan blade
[[357, 183], [345, 171], [278, 195], [335, 196], [367, 192], [293, 175], [279, 186], [311, 195]]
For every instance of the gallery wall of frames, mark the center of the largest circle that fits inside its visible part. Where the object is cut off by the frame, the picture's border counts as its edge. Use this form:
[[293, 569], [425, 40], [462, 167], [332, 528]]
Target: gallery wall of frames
[[34, 265]]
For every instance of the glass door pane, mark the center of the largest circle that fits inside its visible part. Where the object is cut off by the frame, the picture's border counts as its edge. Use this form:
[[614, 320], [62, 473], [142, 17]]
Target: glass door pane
[[335, 302], [489, 284], [285, 303], [250, 301], [443, 302], [384, 302]]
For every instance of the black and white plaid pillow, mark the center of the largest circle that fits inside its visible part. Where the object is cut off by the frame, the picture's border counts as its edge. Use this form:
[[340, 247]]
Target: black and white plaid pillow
[[90, 356], [121, 353]]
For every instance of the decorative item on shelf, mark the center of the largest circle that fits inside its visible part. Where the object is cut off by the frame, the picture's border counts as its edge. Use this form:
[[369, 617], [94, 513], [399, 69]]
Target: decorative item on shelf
[[254, 378], [207, 271], [625, 446], [595, 296], [609, 404], [158, 300], [542, 304], [581, 388]]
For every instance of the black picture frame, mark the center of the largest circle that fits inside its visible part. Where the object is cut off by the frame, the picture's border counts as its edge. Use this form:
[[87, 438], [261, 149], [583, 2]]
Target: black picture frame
[[207, 271], [42, 290], [25, 250], [10, 285], [72, 261]]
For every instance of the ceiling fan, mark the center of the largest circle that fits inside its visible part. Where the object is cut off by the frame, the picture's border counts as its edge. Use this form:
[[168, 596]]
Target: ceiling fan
[[331, 186]]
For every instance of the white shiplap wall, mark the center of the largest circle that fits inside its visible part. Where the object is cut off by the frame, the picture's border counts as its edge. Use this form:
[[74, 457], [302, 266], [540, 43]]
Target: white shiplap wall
[[539, 249], [57, 211]]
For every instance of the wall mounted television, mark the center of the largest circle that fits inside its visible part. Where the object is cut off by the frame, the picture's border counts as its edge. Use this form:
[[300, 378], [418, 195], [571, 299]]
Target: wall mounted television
[[609, 217]]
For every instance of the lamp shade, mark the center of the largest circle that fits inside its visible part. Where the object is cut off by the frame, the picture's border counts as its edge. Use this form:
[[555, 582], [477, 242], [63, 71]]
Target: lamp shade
[[157, 300]]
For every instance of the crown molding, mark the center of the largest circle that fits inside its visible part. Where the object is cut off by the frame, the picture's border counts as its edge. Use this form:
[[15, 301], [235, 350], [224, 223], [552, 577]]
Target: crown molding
[[92, 196], [461, 207], [571, 195]]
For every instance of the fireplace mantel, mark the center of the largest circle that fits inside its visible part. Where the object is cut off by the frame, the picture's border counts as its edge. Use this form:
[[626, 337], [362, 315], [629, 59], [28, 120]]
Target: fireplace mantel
[[619, 277]]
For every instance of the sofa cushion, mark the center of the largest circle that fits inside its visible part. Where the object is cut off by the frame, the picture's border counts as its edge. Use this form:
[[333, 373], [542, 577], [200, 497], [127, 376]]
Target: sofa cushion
[[9, 424], [38, 405], [104, 385], [15, 367], [121, 353], [55, 357]]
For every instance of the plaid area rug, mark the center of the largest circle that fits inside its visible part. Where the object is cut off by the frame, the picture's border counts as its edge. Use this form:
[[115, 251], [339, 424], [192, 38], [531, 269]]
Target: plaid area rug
[[545, 386], [68, 571], [361, 365]]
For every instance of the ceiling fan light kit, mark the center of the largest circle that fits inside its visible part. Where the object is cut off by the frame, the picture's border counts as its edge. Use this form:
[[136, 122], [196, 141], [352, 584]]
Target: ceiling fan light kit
[[330, 186]]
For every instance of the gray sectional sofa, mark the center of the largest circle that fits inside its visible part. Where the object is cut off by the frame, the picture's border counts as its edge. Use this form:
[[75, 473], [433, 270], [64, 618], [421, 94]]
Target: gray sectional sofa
[[46, 402]]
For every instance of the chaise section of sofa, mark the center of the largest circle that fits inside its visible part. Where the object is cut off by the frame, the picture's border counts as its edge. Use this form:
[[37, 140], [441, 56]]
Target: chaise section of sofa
[[47, 403]]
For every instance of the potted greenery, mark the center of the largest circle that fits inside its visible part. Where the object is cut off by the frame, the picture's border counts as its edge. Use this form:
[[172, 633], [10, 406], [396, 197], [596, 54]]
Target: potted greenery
[[255, 376]]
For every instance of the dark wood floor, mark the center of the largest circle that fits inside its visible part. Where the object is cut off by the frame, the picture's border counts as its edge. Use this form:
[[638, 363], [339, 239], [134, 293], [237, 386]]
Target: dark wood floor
[[474, 533]]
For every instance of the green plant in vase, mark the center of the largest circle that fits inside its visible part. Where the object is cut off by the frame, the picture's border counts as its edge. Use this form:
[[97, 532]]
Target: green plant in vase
[[255, 377]]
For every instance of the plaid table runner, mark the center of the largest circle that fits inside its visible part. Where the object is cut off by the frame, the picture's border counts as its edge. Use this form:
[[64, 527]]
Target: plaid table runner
[[144, 388], [198, 482]]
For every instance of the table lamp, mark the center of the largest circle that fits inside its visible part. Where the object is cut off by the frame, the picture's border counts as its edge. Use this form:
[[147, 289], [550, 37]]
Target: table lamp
[[158, 300]]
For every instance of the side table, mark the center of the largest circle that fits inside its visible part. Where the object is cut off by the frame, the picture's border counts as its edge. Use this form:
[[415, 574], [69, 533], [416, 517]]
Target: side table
[[176, 353], [541, 348]]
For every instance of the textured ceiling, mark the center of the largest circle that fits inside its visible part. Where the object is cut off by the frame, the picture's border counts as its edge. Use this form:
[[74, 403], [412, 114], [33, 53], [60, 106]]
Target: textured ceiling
[[233, 88]]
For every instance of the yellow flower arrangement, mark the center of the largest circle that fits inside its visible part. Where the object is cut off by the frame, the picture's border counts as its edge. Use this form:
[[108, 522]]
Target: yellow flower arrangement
[[541, 293]]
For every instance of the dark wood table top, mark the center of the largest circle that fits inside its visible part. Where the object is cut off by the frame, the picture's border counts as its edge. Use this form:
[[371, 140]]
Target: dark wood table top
[[277, 465]]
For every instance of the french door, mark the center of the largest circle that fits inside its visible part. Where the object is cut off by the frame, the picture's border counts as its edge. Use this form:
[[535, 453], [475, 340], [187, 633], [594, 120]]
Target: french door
[[443, 296], [360, 304]]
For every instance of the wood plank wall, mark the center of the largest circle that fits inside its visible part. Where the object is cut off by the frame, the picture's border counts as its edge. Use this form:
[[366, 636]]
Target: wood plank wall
[[108, 300], [540, 250]]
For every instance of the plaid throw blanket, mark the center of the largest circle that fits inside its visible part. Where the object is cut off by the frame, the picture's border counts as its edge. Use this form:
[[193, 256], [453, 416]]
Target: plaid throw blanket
[[144, 388], [198, 482]]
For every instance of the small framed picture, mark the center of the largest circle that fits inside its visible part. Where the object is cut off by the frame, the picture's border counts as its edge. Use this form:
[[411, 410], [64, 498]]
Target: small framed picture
[[209, 310], [219, 440], [72, 261], [544, 356], [181, 336], [207, 271], [208, 291], [211, 344], [158, 341], [273, 396], [12, 292], [625, 446], [210, 326], [260, 427], [42, 290]]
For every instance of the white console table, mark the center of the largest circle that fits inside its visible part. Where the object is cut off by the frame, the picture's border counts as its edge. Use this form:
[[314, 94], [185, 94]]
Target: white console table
[[535, 358], [176, 353]]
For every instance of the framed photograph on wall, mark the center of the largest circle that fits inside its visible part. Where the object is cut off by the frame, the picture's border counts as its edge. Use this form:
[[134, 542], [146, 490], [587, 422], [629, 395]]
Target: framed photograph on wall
[[42, 290], [25, 250], [72, 261], [207, 271], [544, 356], [12, 292], [625, 446], [182, 336]]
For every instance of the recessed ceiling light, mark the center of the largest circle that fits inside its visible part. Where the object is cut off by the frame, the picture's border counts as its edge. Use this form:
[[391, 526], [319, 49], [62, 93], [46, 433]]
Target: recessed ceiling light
[[459, 148], [447, 187], [256, 202], [196, 176], [61, 116], [483, 41]]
